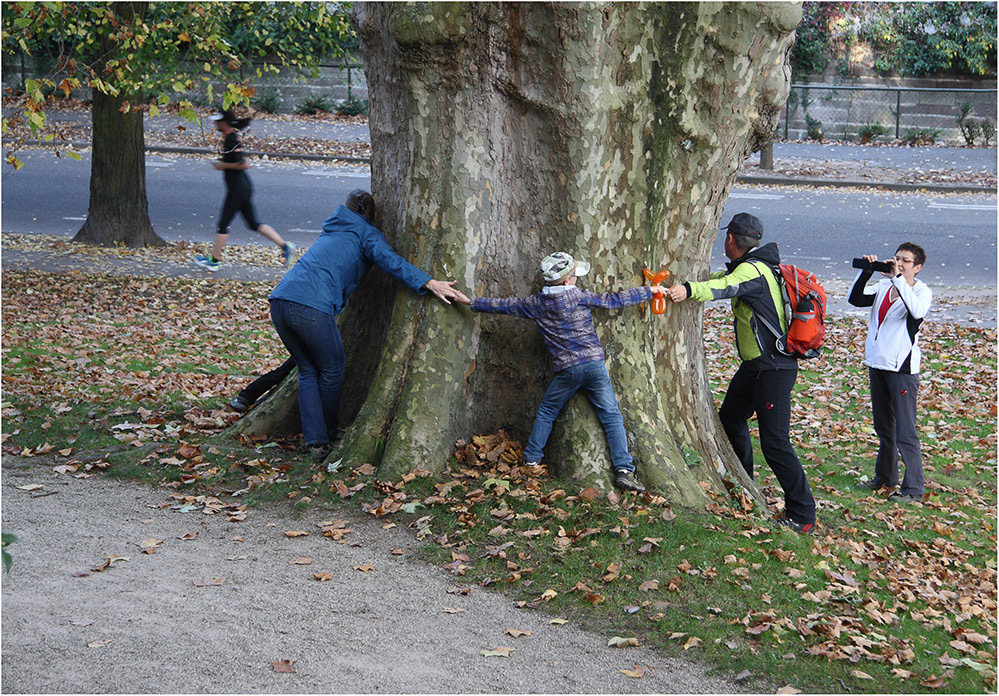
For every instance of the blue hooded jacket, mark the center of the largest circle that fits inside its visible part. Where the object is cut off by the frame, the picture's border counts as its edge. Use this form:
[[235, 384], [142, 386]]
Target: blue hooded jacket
[[335, 263]]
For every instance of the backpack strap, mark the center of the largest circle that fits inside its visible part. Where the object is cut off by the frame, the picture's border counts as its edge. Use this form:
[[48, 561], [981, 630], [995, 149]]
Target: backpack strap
[[787, 300]]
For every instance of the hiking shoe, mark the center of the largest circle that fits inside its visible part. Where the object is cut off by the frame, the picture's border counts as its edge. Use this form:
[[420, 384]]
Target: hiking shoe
[[318, 453], [627, 481], [288, 253], [900, 497], [799, 527], [239, 404], [871, 485], [207, 263]]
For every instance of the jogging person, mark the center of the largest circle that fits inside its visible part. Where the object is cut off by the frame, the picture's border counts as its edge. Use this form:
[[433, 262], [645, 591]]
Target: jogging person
[[239, 192]]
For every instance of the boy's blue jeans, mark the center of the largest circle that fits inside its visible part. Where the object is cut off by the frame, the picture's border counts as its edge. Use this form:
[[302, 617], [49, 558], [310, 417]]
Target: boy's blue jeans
[[592, 379], [312, 339]]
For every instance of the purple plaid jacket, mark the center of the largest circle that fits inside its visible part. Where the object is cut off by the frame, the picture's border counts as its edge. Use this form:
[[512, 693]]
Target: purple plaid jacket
[[564, 318]]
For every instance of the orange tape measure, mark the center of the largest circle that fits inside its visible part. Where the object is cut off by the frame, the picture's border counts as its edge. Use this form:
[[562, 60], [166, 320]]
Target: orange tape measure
[[659, 299]]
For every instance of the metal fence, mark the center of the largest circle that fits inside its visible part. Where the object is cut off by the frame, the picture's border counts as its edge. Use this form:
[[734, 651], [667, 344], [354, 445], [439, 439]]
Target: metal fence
[[335, 81], [862, 112]]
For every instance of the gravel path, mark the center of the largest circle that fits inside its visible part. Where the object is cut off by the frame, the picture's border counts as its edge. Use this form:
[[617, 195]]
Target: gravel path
[[145, 626]]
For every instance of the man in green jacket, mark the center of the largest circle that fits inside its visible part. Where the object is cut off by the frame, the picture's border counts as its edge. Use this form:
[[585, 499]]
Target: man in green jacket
[[766, 376]]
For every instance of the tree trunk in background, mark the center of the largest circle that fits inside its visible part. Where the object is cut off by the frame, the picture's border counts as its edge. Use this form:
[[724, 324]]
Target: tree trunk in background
[[767, 156], [504, 132], [118, 211]]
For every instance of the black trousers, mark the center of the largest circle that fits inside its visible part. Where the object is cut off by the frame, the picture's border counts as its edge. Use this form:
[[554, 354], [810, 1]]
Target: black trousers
[[263, 384], [768, 394], [893, 400]]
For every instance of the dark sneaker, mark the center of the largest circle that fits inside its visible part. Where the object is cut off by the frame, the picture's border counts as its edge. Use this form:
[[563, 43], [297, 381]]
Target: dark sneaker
[[871, 485], [799, 527], [288, 253], [239, 404], [627, 481], [207, 263], [318, 453], [900, 497]]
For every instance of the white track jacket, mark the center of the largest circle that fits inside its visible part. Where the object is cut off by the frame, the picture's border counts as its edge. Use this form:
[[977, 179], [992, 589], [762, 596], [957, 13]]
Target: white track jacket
[[893, 345]]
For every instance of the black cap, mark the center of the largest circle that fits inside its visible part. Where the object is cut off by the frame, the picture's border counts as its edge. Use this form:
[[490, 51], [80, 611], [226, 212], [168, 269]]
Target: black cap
[[745, 225]]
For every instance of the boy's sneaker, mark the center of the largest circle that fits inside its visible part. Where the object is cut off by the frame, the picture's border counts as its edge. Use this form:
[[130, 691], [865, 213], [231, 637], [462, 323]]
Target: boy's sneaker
[[871, 485], [239, 404], [626, 480], [288, 253], [318, 453], [900, 497], [207, 262], [799, 527]]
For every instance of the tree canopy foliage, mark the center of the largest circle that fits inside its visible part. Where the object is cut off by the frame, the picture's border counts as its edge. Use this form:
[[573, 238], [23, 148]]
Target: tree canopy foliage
[[150, 53], [915, 39]]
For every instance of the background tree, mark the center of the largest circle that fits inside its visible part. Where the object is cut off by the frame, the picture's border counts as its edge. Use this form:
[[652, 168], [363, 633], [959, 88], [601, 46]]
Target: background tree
[[503, 132], [137, 56]]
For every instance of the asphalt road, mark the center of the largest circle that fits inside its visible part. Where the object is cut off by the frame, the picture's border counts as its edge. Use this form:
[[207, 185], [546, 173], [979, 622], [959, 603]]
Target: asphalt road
[[822, 229]]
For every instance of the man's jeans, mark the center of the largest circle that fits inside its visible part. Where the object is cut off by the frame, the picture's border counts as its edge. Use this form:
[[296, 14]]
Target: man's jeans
[[314, 344], [592, 379]]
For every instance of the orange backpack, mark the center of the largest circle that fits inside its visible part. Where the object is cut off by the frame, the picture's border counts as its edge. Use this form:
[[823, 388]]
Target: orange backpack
[[805, 307]]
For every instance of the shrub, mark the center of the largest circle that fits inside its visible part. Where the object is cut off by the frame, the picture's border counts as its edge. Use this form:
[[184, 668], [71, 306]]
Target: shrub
[[268, 102], [988, 131], [353, 107], [814, 127], [869, 131], [921, 136], [314, 105]]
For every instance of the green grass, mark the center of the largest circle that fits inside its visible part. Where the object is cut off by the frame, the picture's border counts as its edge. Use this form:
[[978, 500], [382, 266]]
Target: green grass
[[728, 569]]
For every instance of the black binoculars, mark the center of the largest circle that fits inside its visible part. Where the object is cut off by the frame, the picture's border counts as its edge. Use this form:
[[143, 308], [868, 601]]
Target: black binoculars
[[865, 265]]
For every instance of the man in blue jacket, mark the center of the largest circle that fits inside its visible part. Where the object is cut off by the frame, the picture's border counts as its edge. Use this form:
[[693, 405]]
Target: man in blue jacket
[[304, 306]]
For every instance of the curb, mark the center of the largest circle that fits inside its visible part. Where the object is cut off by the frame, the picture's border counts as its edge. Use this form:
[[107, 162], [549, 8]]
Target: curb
[[845, 183], [748, 179], [180, 150]]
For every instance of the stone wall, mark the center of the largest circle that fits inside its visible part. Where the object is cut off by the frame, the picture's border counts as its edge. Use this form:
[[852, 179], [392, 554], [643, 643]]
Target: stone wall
[[867, 101]]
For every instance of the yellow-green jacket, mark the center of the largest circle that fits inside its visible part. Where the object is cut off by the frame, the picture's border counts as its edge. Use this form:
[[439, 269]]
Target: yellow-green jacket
[[757, 303]]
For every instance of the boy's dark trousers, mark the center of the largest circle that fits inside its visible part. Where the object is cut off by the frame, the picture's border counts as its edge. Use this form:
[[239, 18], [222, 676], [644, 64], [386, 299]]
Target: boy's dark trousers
[[768, 394], [893, 400], [263, 384]]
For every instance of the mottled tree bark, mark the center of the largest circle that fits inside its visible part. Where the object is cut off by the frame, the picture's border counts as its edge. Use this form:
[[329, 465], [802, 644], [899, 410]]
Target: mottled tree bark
[[504, 132], [118, 211]]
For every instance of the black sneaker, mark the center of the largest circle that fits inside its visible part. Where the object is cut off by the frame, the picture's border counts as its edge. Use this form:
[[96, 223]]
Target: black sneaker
[[627, 481], [318, 453], [872, 485], [239, 404], [900, 497], [799, 527]]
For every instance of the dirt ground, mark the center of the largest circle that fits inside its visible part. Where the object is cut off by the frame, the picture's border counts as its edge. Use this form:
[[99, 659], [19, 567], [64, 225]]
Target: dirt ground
[[220, 602]]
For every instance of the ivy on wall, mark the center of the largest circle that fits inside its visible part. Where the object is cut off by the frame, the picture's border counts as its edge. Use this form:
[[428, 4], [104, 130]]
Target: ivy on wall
[[910, 39]]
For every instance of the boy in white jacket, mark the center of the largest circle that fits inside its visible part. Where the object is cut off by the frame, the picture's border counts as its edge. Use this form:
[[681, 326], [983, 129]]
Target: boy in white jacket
[[898, 306]]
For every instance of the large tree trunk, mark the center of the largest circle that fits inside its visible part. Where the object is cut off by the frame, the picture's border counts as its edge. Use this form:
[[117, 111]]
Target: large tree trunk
[[118, 211], [504, 132]]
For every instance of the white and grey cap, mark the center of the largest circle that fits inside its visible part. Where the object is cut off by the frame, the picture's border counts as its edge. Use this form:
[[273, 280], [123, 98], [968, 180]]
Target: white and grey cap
[[560, 265]]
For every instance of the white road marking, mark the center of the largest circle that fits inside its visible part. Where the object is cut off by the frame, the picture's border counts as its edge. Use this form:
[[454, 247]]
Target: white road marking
[[325, 172], [758, 196], [963, 206]]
